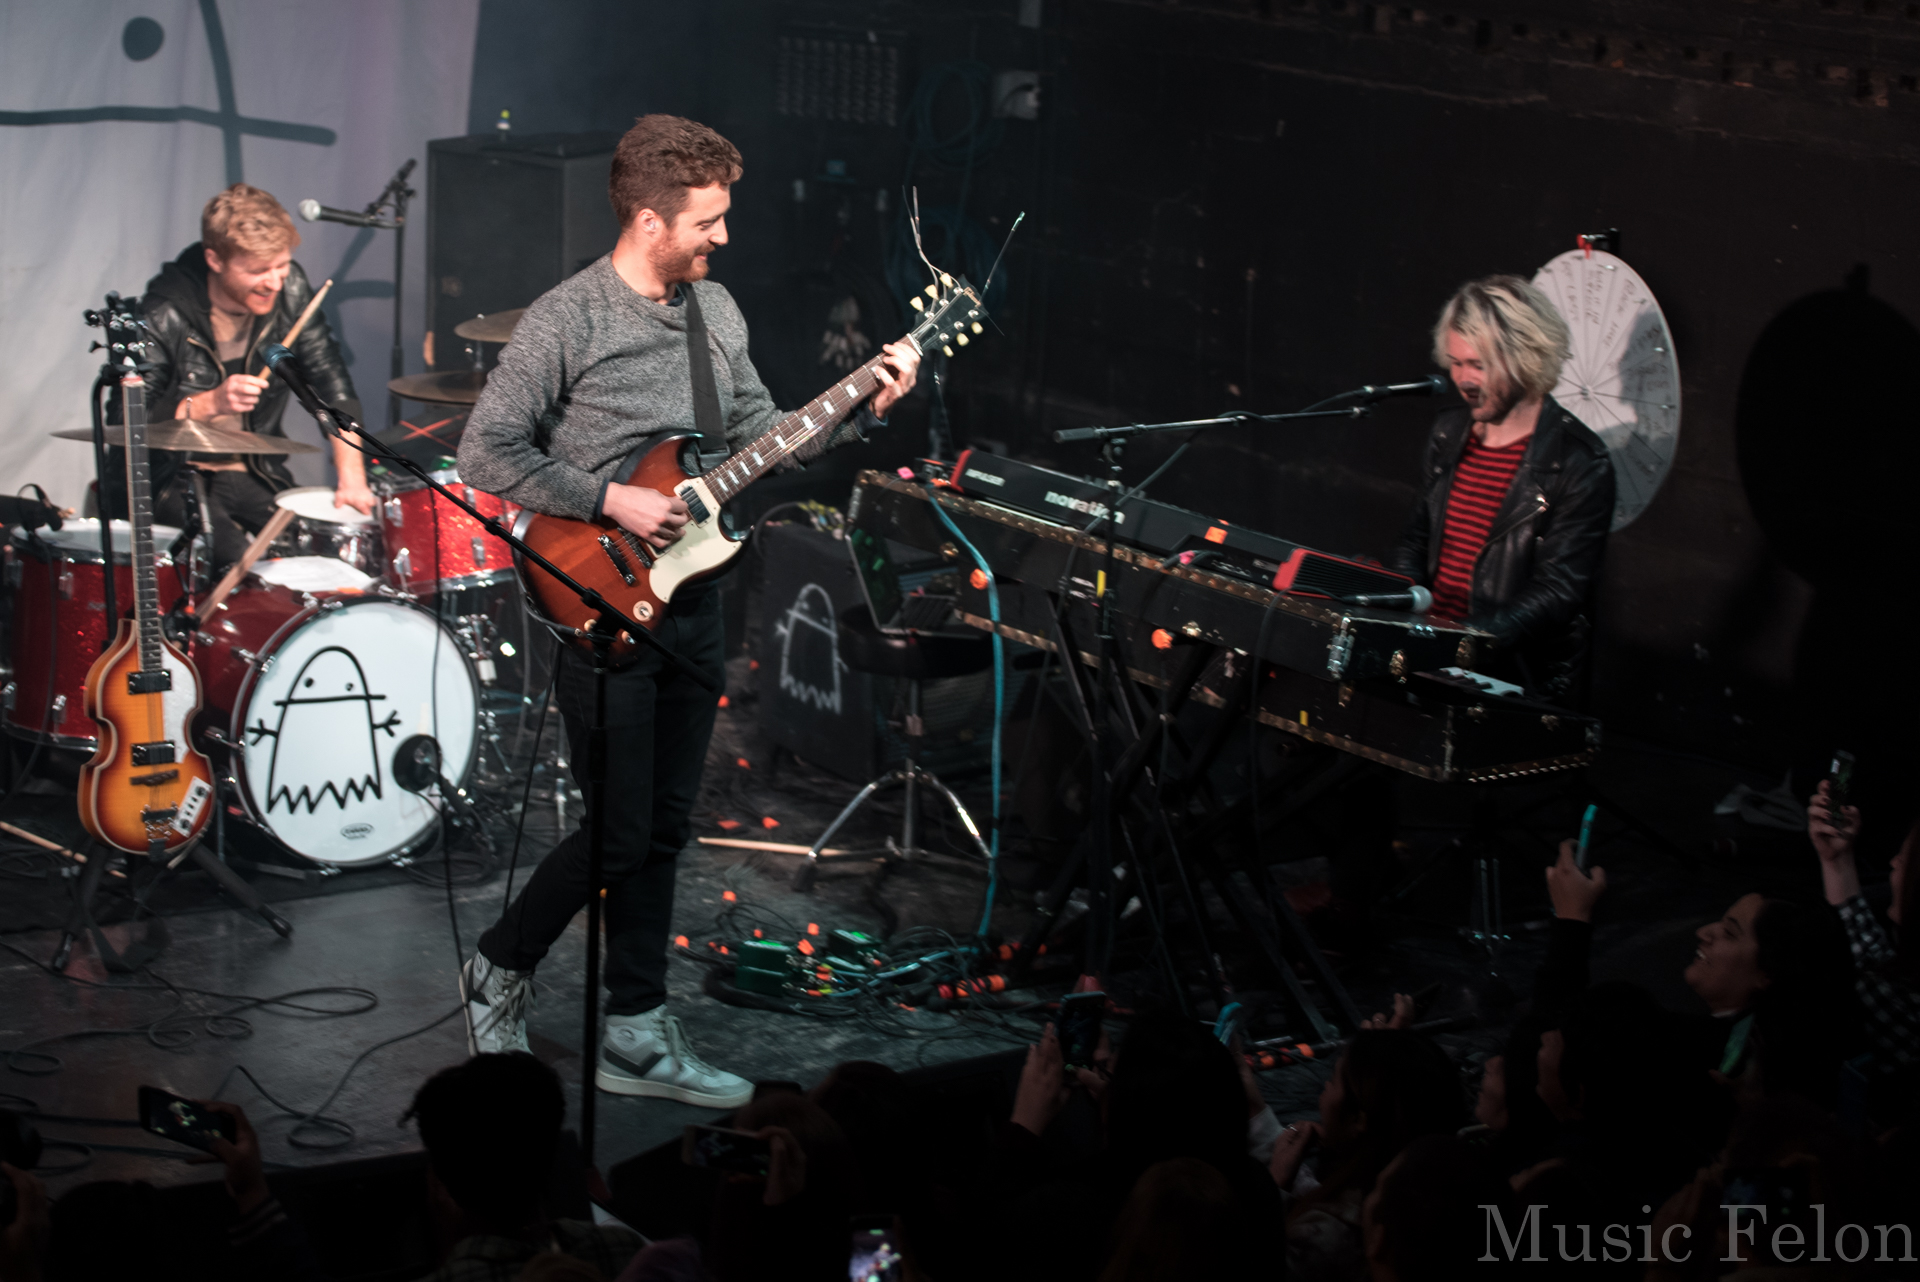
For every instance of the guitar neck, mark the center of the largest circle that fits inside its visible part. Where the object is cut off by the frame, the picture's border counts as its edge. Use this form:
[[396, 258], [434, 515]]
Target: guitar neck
[[146, 590], [808, 423]]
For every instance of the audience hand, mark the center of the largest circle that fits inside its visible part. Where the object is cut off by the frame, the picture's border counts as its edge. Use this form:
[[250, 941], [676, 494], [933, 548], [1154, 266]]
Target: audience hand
[[1833, 837], [1574, 893], [1290, 1150], [1043, 1085], [24, 1239], [246, 1174], [786, 1168], [1402, 1016]]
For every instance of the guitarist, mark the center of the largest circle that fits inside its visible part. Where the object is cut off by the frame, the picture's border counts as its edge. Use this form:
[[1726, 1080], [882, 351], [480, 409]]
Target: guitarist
[[599, 365]]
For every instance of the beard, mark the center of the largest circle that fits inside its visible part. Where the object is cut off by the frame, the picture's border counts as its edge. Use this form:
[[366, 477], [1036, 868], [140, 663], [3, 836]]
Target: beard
[[1491, 404], [679, 264]]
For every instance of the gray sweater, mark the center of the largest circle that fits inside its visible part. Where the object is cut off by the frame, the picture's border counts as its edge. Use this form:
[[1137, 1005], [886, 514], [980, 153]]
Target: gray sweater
[[595, 369]]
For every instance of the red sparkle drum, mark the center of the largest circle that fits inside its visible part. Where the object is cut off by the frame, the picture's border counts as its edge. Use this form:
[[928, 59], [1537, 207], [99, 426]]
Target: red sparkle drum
[[432, 546], [315, 692], [60, 623]]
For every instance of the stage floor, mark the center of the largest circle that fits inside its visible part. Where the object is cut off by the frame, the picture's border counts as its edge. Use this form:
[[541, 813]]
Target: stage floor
[[384, 932]]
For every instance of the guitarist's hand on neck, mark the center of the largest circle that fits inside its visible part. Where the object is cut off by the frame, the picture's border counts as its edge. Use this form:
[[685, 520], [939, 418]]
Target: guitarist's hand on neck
[[658, 518], [656, 255]]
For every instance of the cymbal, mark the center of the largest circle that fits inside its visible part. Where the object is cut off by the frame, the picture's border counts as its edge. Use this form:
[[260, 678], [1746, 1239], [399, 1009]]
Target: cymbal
[[455, 387], [198, 436], [493, 327]]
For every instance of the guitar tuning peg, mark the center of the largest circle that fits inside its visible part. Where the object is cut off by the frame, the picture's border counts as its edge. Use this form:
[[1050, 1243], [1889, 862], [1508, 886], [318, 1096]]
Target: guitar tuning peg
[[946, 280], [960, 339], [947, 350], [933, 291], [976, 327], [916, 304]]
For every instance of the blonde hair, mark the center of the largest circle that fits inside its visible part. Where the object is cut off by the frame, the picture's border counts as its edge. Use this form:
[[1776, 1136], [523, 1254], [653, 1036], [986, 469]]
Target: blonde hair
[[246, 220], [1515, 329]]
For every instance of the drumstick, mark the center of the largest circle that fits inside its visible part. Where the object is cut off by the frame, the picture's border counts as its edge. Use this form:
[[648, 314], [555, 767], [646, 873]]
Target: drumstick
[[42, 842], [301, 324], [231, 580]]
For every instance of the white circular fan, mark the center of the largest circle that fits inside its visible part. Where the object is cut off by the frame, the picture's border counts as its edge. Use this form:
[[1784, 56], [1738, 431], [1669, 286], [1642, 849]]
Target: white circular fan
[[1622, 379]]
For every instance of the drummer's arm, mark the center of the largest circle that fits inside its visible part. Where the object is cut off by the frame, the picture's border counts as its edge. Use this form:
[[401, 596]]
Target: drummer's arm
[[350, 479]]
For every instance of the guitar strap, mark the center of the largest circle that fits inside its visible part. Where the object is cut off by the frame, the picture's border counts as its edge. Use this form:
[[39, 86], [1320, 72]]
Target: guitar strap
[[706, 394]]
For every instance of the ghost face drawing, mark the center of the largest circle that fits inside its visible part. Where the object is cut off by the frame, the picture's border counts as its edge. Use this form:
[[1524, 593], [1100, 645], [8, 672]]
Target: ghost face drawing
[[327, 742]]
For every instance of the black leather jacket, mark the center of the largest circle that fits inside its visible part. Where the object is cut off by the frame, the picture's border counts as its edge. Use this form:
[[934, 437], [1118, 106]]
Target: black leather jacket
[[186, 361], [1534, 582]]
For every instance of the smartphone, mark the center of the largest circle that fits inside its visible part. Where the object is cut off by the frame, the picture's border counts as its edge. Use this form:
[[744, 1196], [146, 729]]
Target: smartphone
[[724, 1149], [1840, 782], [171, 1117], [1586, 836], [1078, 1027], [873, 1253]]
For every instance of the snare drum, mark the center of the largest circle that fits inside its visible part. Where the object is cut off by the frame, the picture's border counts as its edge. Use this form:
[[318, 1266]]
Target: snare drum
[[60, 623], [432, 546], [321, 529], [320, 690]]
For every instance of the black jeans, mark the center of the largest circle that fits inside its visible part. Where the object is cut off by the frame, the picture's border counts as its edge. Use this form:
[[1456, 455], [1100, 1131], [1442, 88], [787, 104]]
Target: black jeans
[[238, 505], [658, 725]]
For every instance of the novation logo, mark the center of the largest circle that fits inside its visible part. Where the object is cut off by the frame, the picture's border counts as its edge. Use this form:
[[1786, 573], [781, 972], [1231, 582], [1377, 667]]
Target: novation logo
[[357, 832], [988, 477], [1084, 507]]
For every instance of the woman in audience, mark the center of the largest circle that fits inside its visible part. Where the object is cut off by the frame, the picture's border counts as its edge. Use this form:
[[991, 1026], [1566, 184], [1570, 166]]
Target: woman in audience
[[1182, 1221], [1389, 1088], [1886, 960], [1425, 1218], [1774, 974], [1512, 1123]]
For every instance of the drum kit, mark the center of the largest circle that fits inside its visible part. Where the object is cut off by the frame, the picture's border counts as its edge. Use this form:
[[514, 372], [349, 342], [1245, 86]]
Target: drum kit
[[350, 636]]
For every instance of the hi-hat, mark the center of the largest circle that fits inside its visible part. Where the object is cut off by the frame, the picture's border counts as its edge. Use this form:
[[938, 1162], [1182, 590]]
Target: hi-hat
[[494, 327], [198, 436], [455, 387]]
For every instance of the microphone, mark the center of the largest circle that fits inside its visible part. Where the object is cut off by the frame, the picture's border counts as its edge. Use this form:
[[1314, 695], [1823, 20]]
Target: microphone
[[315, 212], [1431, 385], [1415, 599], [287, 366]]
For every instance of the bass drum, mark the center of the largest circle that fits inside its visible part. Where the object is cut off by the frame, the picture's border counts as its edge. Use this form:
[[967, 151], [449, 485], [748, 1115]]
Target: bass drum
[[318, 691]]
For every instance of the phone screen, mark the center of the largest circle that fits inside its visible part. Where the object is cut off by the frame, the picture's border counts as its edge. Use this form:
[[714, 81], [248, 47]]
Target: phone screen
[[1841, 773], [725, 1150], [873, 1255], [1079, 1027], [182, 1120]]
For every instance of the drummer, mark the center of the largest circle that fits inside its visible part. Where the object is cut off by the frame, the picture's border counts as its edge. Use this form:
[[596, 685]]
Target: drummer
[[212, 311]]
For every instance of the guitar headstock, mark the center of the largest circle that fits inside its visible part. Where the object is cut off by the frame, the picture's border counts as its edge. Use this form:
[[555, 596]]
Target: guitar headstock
[[127, 333], [952, 314]]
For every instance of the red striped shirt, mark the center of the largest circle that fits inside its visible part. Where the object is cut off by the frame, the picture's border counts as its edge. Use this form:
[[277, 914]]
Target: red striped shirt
[[1480, 485]]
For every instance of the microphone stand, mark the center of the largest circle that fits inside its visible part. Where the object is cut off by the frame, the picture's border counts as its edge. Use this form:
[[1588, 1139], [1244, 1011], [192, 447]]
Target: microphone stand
[[601, 634], [1131, 430], [394, 197]]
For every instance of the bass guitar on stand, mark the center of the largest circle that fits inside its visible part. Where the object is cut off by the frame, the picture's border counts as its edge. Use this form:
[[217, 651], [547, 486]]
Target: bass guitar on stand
[[146, 790], [637, 580]]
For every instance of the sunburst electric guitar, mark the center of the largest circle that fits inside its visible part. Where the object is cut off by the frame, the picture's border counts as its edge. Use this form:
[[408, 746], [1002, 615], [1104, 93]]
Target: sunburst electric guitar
[[639, 582], [145, 791]]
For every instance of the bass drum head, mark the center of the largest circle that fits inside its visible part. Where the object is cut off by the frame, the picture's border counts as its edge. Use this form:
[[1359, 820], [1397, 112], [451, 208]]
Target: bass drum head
[[319, 722]]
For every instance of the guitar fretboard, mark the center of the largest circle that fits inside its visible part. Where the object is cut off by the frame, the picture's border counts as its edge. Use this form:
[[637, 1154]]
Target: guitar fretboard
[[146, 591], [814, 419]]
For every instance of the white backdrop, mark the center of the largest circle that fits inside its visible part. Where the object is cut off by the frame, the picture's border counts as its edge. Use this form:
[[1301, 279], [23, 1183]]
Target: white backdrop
[[106, 159]]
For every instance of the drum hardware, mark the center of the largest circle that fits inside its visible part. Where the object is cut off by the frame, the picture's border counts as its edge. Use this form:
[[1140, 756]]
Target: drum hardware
[[198, 436], [452, 387], [491, 327]]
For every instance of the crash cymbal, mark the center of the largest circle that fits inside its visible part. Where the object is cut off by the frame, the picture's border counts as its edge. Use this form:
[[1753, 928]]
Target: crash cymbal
[[495, 327], [198, 436], [455, 387]]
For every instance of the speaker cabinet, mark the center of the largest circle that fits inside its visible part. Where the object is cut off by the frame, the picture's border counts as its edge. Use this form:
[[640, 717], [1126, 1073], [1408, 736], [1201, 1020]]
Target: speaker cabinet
[[508, 218]]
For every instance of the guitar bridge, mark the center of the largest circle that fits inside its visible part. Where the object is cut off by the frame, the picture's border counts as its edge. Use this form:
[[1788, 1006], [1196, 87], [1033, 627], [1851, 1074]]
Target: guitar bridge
[[618, 558]]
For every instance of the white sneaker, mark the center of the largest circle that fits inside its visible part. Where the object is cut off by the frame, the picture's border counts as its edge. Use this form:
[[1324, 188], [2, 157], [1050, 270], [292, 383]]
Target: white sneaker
[[497, 1001], [648, 1055]]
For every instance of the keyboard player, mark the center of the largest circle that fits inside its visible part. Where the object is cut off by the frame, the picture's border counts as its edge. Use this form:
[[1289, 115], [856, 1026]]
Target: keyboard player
[[1516, 495]]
